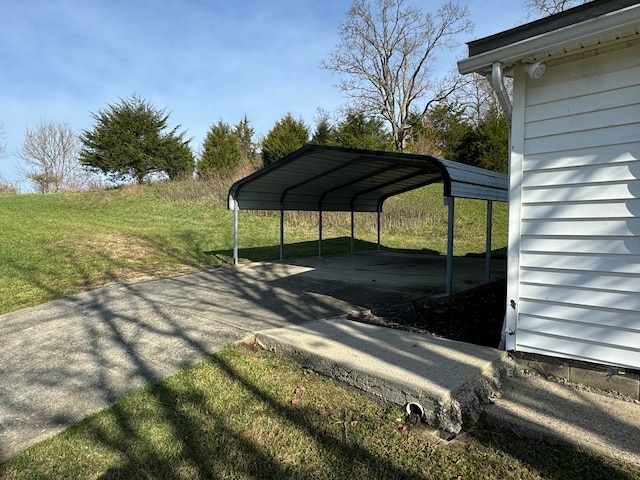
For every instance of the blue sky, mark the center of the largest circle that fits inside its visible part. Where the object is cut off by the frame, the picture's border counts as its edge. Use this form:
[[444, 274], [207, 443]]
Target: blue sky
[[202, 61]]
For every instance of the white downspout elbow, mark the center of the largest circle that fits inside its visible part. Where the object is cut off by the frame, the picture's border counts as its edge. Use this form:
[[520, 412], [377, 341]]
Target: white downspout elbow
[[497, 83]]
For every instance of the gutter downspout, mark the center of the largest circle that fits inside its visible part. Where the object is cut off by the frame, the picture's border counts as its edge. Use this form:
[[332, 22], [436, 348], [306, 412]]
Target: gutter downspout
[[497, 83], [235, 231]]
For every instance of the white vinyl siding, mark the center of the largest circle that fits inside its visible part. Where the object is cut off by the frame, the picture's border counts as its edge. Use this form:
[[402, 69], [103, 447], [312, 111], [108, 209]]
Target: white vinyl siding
[[579, 258]]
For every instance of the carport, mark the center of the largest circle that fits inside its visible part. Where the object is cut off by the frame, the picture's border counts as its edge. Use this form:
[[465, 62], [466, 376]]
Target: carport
[[322, 179]]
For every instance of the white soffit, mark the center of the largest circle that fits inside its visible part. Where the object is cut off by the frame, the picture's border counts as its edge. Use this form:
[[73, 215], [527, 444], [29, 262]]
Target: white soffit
[[582, 36]]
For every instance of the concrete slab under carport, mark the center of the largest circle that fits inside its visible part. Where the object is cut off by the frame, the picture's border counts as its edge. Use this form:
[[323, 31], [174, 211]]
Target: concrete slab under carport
[[418, 274]]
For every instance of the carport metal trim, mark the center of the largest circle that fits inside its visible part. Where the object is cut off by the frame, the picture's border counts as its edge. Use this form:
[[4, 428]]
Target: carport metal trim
[[356, 180]]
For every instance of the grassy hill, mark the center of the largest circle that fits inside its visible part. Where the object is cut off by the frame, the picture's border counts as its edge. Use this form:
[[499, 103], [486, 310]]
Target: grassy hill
[[59, 244]]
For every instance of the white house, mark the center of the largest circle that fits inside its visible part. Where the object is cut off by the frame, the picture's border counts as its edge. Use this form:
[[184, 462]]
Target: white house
[[574, 181]]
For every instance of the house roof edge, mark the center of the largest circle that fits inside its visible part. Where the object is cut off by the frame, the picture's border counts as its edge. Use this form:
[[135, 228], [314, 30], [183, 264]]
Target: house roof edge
[[550, 33]]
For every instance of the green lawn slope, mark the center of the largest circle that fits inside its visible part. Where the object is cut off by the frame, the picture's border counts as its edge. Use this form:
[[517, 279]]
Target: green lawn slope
[[58, 244]]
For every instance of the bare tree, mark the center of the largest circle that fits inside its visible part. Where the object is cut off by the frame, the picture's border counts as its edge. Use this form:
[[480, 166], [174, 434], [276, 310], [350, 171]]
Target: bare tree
[[8, 186], [545, 8], [387, 56], [5, 184], [3, 146], [50, 155], [476, 97]]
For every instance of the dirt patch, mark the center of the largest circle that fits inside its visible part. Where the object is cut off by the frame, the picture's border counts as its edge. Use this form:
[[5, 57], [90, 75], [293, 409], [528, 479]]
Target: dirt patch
[[473, 316], [119, 258]]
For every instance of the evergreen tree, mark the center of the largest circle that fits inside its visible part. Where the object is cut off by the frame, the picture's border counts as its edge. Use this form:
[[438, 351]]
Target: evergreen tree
[[361, 131], [244, 134], [221, 150], [285, 137], [449, 133], [454, 137], [132, 139], [325, 132], [492, 141], [179, 160]]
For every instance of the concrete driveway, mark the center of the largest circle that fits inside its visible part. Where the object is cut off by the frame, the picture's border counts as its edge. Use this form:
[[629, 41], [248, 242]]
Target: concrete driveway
[[66, 359]]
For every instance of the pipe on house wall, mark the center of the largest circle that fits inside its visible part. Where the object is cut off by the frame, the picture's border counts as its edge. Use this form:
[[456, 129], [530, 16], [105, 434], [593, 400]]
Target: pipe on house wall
[[496, 79], [497, 83]]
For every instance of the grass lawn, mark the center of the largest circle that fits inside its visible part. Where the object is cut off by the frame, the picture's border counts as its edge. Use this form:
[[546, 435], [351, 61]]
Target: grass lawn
[[246, 413], [59, 244]]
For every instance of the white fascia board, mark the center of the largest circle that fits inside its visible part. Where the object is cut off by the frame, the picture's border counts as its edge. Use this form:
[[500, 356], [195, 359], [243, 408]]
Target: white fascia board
[[552, 41]]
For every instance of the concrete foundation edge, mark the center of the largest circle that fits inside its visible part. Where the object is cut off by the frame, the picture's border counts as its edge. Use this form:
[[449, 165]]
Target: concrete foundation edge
[[601, 377], [448, 412]]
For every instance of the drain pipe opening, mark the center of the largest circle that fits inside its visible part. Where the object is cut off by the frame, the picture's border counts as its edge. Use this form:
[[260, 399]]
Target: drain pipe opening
[[414, 409]]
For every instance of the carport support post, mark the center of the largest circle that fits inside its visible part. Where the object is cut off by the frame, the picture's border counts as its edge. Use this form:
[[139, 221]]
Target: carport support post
[[449, 201], [235, 232], [352, 234], [319, 233], [488, 247], [379, 210], [281, 234]]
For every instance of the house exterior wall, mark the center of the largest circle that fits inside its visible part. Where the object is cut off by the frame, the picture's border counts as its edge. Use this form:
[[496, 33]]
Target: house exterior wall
[[574, 255]]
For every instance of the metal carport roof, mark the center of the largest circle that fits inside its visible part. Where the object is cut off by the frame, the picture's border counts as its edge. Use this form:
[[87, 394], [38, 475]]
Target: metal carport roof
[[323, 178]]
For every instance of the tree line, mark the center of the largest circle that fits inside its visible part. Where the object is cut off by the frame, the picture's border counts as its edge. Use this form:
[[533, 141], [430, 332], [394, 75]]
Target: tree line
[[132, 141], [385, 58]]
